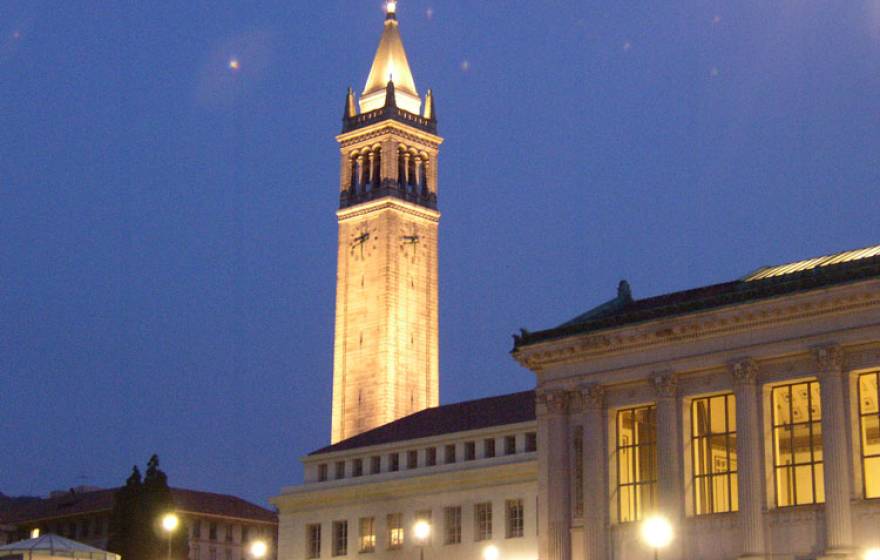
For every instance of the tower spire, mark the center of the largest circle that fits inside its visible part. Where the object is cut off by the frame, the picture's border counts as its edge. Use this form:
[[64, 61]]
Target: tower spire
[[390, 63]]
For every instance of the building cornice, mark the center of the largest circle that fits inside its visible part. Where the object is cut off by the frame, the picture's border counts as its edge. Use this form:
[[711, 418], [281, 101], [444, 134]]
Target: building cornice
[[689, 328], [387, 203], [309, 497], [384, 128]]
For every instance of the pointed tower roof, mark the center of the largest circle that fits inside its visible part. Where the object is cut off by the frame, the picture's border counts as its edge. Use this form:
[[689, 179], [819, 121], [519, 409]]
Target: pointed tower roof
[[390, 63]]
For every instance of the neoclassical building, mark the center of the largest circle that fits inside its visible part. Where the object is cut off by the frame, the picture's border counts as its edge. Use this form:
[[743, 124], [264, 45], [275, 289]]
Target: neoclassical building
[[745, 412]]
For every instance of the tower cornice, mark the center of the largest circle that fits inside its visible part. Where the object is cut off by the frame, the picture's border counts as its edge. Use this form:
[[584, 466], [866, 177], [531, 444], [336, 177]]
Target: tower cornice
[[382, 127]]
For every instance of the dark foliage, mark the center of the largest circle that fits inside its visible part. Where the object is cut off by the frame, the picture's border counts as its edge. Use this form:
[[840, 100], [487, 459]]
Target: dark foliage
[[136, 521]]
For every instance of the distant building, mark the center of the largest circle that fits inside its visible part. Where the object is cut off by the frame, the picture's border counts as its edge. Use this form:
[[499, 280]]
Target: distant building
[[219, 526], [53, 547]]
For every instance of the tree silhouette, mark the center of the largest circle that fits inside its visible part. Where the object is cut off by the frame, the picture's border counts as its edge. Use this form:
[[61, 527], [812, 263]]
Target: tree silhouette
[[136, 521]]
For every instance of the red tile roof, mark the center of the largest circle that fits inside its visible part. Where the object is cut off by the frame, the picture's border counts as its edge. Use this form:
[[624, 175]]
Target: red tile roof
[[188, 501], [446, 419]]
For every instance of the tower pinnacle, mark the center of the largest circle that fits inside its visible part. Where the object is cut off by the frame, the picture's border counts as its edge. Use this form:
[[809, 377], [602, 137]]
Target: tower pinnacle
[[390, 63]]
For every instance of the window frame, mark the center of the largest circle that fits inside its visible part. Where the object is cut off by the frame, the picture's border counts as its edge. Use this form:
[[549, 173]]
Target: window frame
[[514, 518], [791, 425], [340, 538], [707, 480], [862, 430], [395, 532], [313, 541], [370, 537], [452, 525], [640, 510], [483, 521]]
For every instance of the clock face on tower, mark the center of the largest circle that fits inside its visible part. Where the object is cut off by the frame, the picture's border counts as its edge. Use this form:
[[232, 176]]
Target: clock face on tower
[[409, 242], [360, 241]]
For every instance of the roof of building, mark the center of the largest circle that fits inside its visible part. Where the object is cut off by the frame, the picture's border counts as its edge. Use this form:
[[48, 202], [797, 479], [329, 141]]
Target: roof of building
[[764, 283], [54, 545], [190, 501], [446, 419], [390, 62]]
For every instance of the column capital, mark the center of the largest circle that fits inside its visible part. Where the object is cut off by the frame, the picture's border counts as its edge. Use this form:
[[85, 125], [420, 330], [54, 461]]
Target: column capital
[[665, 384], [592, 396], [554, 401], [829, 358], [744, 371]]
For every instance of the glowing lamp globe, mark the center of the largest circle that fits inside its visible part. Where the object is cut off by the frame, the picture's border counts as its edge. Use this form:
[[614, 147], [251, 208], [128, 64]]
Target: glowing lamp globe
[[422, 530], [657, 531], [491, 552], [170, 522], [872, 554], [258, 549], [391, 7]]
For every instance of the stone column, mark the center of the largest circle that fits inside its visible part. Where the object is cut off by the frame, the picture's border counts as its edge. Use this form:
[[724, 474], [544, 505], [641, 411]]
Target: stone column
[[668, 447], [554, 541], [594, 468], [748, 458], [836, 453]]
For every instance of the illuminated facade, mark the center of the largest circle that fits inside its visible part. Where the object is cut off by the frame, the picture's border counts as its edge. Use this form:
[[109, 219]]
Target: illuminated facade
[[385, 361], [745, 412]]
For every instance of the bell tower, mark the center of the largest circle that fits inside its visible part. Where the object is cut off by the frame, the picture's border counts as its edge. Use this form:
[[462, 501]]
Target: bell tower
[[385, 359]]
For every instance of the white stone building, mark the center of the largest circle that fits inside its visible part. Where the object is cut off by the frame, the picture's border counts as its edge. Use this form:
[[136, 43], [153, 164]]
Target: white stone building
[[745, 412]]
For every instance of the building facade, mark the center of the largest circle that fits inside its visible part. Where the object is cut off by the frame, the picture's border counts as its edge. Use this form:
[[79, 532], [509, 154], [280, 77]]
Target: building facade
[[745, 412], [219, 526], [468, 469]]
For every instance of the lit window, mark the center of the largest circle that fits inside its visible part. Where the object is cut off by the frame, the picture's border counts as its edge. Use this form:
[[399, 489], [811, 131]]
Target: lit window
[[514, 520], [367, 535], [797, 444], [483, 521], [340, 538], [713, 440], [395, 530], [313, 541], [452, 527], [636, 462], [577, 445], [869, 416]]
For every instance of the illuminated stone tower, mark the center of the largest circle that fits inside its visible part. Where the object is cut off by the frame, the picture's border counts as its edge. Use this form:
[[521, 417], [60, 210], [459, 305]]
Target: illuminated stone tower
[[385, 363]]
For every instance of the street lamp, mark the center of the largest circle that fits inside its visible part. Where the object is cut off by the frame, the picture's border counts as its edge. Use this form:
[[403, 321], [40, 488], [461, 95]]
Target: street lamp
[[657, 533], [490, 552], [258, 549], [872, 554], [170, 521], [421, 531]]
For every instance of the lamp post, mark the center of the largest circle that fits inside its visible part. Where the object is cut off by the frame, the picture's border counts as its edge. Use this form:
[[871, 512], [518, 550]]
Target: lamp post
[[170, 521], [421, 531], [657, 533], [490, 552]]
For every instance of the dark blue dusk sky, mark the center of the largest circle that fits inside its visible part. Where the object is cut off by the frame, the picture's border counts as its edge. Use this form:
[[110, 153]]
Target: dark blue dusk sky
[[167, 263]]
